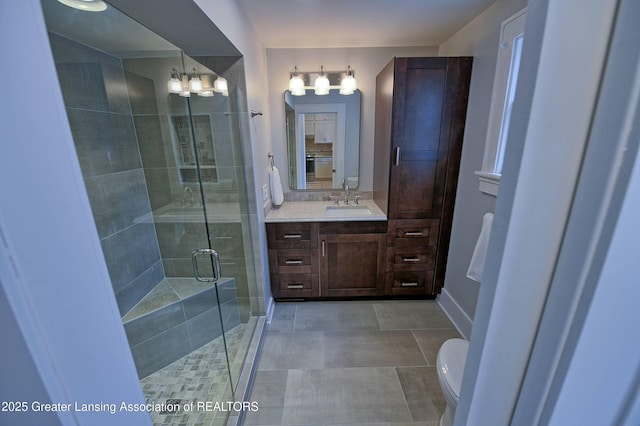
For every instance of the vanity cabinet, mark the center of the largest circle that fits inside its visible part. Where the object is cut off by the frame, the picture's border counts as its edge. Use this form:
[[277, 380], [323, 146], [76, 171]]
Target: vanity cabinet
[[293, 259], [327, 259], [420, 113]]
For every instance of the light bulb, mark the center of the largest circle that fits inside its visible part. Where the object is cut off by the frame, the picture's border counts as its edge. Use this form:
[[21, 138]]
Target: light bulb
[[348, 85], [220, 85], [321, 85]]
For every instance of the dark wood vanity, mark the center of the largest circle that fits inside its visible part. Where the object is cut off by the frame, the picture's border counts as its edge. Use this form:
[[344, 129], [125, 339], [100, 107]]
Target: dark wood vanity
[[421, 107]]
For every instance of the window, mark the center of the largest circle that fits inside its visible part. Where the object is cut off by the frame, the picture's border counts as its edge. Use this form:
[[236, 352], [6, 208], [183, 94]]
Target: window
[[504, 89]]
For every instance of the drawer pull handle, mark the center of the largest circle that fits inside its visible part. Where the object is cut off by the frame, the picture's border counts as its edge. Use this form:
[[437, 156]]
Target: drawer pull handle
[[411, 259], [413, 234], [409, 284], [293, 262], [223, 238], [295, 285], [293, 235]]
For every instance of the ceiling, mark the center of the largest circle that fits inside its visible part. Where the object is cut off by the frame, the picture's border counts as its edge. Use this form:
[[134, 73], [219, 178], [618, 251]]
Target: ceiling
[[359, 23]]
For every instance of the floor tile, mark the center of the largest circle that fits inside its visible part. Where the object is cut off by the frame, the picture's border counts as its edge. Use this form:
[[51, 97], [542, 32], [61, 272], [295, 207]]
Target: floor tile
[[344, 395], [283, 317], [268, 392], [431, 340], [371, 349], [411, 315], [422, 392], [283, 351], [335, 317]]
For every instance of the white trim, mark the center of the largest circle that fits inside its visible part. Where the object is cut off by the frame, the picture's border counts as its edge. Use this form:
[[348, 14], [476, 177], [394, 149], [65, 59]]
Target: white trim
[[454, 312], [338, 147], [489, 182], [271, 307], [511, 29]]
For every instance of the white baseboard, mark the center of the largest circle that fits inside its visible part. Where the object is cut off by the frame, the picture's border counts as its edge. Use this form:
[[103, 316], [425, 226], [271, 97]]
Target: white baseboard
[[458, 317], [271, 304]]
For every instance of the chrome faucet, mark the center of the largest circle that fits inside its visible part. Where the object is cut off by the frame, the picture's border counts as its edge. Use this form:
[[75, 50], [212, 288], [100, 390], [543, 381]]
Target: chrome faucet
[[345, 185], [188, 190]]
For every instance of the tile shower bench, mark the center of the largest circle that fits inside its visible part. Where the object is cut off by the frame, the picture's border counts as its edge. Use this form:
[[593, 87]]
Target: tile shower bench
[[178, 316]]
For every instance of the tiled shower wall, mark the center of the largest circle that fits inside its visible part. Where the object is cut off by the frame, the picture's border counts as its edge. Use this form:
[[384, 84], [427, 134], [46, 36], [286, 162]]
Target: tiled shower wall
[[95, 94]]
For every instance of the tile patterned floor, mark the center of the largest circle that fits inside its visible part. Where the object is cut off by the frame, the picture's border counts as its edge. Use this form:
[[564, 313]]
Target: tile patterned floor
[[351, 363], [200, 376]]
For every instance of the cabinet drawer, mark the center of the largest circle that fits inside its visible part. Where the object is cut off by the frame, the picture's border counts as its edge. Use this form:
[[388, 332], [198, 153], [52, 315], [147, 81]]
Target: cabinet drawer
[[411, 258], [294, 261], [410, 282], [292, 235], [293, 232], [295, 282], [415, 231], [297, 285]]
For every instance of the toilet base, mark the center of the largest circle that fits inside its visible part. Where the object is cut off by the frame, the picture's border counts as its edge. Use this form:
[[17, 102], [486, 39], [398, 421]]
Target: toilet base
[[447, 417]]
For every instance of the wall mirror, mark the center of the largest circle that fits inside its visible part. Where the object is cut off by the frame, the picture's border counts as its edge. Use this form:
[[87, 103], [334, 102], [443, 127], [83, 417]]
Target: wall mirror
[[323, 140]]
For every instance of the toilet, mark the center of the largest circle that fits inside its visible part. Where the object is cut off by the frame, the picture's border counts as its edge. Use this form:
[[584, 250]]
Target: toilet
[[452, 357]]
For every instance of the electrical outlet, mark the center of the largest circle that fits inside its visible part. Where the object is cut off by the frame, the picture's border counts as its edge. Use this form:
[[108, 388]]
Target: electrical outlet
[[265, 192]]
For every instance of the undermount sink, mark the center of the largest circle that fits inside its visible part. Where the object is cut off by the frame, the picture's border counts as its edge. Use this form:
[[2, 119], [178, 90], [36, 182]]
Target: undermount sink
[[348, 210]]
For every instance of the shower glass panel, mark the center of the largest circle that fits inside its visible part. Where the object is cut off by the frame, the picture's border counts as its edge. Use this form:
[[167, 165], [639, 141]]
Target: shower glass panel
[[164, 176]]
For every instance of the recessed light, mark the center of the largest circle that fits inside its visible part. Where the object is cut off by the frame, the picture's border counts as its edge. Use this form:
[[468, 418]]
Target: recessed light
[[87, 5]]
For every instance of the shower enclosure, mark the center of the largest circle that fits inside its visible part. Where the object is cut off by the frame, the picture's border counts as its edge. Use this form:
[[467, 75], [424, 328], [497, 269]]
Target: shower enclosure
[[165, 177]]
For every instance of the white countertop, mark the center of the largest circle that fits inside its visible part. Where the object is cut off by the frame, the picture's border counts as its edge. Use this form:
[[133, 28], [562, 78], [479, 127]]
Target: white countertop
[[316, 211]]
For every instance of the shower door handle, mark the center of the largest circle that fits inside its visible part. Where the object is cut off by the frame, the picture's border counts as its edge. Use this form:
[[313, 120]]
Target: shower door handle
[[215, 263]]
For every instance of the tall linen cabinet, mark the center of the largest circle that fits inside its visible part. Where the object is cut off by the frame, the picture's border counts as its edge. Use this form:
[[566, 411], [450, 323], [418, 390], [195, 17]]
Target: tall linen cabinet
[[421, 106]]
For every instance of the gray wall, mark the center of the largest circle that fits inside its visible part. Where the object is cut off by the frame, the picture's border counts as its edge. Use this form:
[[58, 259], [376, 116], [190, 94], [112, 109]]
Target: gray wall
[[479, 38], [95, 94]]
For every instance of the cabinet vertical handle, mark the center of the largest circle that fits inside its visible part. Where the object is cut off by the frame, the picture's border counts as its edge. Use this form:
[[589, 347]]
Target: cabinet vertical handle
[[322, 248], [397, 156]]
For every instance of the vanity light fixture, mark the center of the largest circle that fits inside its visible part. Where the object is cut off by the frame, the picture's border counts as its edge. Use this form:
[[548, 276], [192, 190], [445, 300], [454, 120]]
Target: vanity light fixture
[[323, 83], [221, 86], [86, 5], [174, 85], [296, 83], [185, 84], [348, 82], [195, 84]]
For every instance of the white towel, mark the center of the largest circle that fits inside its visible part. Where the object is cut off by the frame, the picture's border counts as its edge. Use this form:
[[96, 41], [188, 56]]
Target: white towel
[[277, 196], [476, 266]]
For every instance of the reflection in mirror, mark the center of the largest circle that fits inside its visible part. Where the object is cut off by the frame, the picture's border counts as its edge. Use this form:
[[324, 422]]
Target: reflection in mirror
[[323, 140]]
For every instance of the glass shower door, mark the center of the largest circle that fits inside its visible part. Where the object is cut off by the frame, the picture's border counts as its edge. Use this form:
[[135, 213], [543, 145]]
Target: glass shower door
[[163, 181]]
